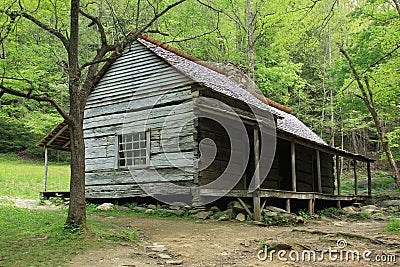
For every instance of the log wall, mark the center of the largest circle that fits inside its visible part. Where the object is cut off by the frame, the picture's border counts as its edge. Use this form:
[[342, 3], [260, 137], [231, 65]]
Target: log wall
[[139, 92]]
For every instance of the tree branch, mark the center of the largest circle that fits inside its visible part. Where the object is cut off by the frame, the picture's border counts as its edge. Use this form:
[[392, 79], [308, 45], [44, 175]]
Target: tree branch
[[87, 64], [37, 98], [99, 26], [396, 3], [373, 64], [47, 28]]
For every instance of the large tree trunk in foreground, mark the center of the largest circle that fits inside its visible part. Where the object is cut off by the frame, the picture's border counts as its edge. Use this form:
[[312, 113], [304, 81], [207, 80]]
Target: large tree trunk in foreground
[[77, 205]]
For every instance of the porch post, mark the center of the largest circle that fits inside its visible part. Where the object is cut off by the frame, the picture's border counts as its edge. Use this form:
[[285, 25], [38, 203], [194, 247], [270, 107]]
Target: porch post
[[355, 178], [293, 160], [369, 179], [256, 193], [319, 172], [288, 205], [338, 174], [46, 167]]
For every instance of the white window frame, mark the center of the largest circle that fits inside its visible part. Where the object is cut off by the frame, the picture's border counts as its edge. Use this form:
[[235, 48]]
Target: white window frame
[[130, 150]]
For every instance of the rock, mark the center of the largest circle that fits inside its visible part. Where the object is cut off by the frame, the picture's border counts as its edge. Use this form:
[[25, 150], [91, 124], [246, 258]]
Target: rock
[[271, 214], [174, 207], [369, 209], [174, 262], [122, 208], [157, 248], [202, 215], [275, 209], [349, 210], [241, 217], [152, 206], [164, 256], [391, 203], [47, 202], [215, 209], [236, 206], [291, 218], [105, 206], [149, 211], [223, 218], [139, 209], [379, 217], [194, 211]]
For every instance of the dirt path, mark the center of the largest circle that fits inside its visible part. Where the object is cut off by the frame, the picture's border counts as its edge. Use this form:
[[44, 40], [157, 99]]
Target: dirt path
[[208, 243]]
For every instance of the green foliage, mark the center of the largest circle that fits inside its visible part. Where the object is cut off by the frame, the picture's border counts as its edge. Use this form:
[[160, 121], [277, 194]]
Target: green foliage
[[330, 212], [359, 216], [393, 226], [305, 214]]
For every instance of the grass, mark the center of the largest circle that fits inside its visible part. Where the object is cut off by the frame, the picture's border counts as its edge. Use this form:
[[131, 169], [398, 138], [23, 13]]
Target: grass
[[24, 178], [393, 226], [382, 182], [38, 237]]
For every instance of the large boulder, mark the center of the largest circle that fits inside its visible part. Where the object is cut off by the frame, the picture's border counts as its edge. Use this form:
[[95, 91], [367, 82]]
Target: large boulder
[[105, 206]]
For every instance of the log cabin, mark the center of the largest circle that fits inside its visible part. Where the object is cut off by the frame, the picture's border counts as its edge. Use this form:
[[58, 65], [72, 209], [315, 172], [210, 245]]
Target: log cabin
[[162, 122]]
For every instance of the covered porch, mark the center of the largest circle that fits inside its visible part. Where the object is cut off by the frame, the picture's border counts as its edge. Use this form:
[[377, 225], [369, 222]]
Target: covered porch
[[57, 139]]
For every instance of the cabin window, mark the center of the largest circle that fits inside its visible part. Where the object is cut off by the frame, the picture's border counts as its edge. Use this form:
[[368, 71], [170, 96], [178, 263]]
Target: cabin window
[[133, 149]]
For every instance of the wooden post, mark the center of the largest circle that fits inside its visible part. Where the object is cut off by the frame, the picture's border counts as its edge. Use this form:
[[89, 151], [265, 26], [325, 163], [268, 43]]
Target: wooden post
[[293, 160], [288, 205], [46, 167], [355, 178], [369, 179], [311, 204], [338, 174], [338, 205], [256, 195], [319, 172]]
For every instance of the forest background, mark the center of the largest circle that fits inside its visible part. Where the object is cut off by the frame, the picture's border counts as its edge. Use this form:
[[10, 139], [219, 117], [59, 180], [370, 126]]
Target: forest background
[[290, 49]]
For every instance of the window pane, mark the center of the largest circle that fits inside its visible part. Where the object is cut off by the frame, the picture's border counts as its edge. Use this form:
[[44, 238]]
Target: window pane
[[135, 137], [128, 138], [135, 145], [129, 162], [143, 144], [128, 146]]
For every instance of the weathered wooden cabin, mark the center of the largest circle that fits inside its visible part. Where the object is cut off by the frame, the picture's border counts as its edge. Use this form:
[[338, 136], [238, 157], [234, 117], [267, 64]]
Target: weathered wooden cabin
[[142, 127]]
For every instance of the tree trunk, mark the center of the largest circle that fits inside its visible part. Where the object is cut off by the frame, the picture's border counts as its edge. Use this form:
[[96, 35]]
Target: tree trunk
[[77, 205], [368, 99], [250, 39]]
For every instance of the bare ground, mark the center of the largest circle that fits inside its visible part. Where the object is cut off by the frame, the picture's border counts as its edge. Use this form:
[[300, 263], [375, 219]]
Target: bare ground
[[210, 243]]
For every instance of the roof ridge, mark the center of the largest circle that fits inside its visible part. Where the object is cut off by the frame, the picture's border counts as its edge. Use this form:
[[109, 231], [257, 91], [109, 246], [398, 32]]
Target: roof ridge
[[212, 67]]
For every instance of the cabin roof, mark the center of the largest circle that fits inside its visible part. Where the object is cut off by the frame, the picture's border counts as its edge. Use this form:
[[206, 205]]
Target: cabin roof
[[203, 73], [210, 76]]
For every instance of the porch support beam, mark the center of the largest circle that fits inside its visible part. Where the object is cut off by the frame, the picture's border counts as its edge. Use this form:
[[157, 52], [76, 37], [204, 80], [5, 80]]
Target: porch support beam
[[46, 167], [355, 178], [293, 164], [319, 172], [338, 174], [369, 179], [256, 193], [288, 205]]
